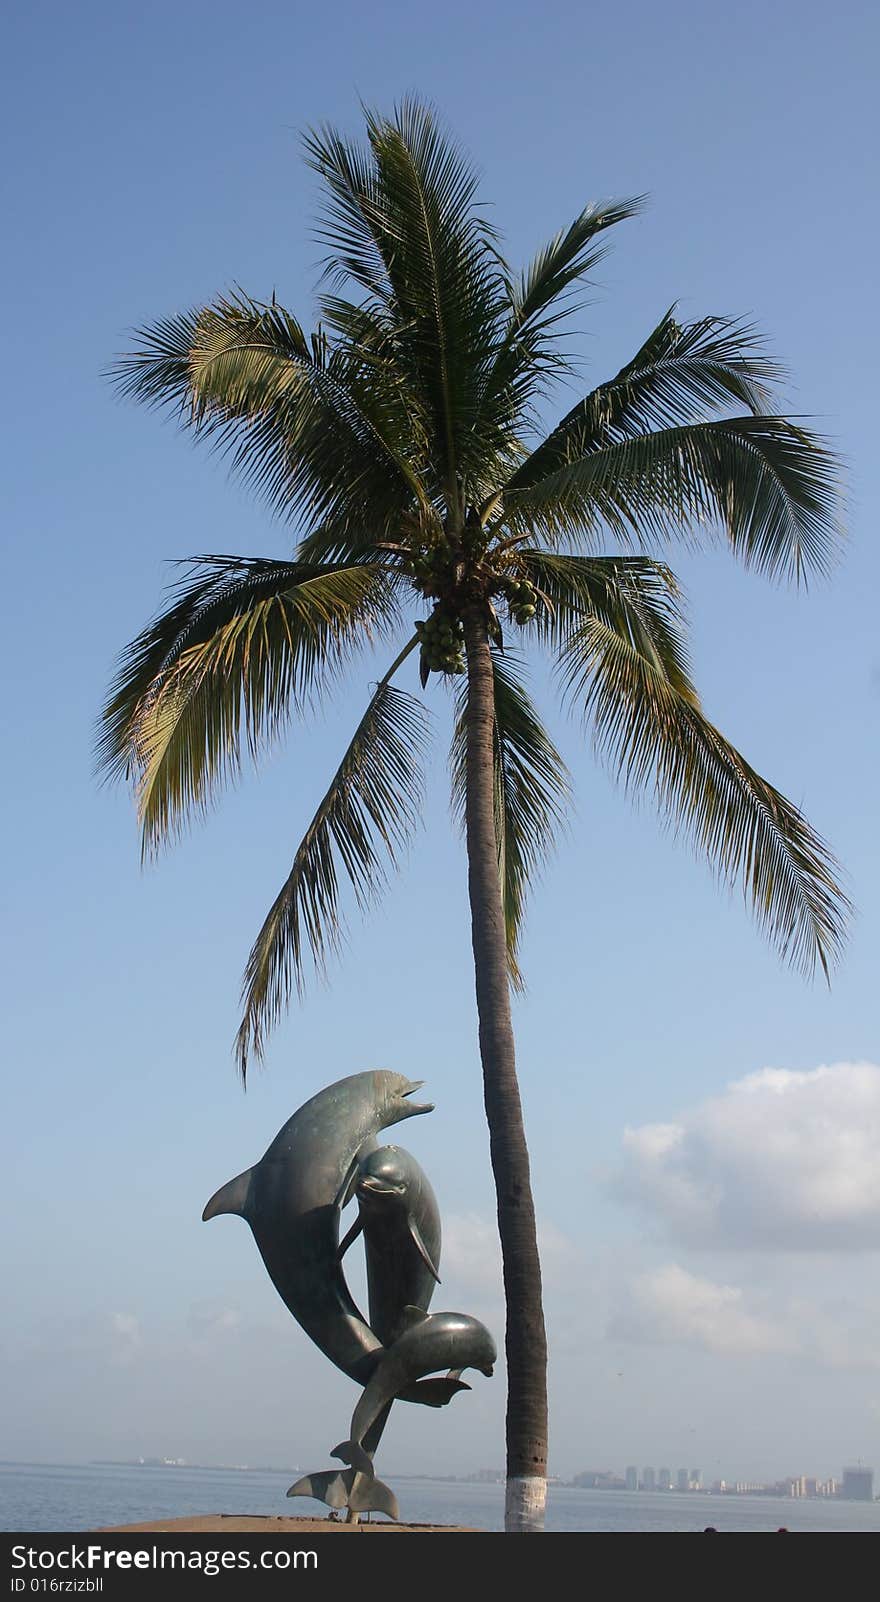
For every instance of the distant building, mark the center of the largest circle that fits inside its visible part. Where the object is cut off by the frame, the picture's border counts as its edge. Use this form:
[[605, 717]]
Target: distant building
[[649, 1480], [681, 1480], [857, 1484], [696, 1480], [598, 1480], [665, 1480], [632, 1479]]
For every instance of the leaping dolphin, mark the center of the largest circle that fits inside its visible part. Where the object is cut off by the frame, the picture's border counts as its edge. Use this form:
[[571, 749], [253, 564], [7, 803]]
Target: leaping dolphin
[[292, 1197]]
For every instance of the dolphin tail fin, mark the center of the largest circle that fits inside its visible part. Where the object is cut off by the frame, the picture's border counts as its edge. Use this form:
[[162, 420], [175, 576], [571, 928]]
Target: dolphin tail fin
[[353, 1453], [373, 1496], [341, 1488], [328, 1486], [231, 1198]]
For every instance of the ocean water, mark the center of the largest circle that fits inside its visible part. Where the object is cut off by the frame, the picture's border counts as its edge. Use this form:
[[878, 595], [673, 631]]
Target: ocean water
[[40, 1496]]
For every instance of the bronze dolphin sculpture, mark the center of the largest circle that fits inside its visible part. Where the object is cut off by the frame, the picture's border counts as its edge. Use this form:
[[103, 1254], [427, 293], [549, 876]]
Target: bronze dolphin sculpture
[[400, 1221], [292, 1197]]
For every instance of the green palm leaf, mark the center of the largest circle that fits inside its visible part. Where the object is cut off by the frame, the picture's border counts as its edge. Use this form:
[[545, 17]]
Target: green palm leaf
[[373, 802], [245, 642], [531, 795], [681, 372], [526, 353], [770, 485], [634, 596], [565, 260], [315, 430], [403, 223], [656, 736]]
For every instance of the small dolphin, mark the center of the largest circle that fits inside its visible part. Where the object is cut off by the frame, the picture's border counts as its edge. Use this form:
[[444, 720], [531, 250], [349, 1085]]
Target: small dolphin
[[291, 1198], [431, 1342], [400, 1221]]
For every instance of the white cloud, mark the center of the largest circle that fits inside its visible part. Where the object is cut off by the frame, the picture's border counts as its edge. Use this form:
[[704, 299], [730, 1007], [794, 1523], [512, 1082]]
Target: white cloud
[[471, 1255], [127, 1327], [207, 1319], [127, 1337], [669, 1304], [780, 1161]]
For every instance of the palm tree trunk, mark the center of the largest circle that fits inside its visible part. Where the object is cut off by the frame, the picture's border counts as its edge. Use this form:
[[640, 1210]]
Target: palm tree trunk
[[525, 1339]]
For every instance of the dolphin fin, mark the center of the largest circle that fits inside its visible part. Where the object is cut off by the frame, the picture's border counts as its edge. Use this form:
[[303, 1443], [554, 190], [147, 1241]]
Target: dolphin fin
[[341, 1488], [422, 1249], [328, 1486], [372, 1496], [351, 1452], [432, 1392], [231, 1198], [349, 1239], [346, 1189], [410, 1316]]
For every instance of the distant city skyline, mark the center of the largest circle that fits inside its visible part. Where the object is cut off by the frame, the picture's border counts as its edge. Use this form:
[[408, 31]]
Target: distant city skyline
[[855, 1484]]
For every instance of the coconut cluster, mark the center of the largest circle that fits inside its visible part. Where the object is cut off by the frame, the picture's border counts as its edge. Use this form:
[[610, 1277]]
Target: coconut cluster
[[442, 641], [430, 564], [523, 601]]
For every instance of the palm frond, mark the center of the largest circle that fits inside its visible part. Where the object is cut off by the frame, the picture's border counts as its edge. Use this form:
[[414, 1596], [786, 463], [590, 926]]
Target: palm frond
[[634, 596], [403, 222], [314, 430], [528, 353], [360, 828], [445, 277], [568, 257], [244, 642], [680, 373], [353, 225], [770, 485], [156, 371], [531, 794], [655, 736]]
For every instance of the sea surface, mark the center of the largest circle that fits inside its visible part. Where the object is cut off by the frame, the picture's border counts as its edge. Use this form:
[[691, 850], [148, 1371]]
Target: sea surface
[[40, 1496]]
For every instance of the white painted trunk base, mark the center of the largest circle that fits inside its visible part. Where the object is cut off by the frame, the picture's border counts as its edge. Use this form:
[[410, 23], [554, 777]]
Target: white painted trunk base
[[524, 1504]]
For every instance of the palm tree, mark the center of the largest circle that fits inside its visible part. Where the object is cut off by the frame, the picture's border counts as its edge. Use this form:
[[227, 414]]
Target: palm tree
[[402, 438]]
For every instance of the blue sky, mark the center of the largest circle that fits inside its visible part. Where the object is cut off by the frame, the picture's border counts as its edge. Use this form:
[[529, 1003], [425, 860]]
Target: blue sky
[[152, 161]]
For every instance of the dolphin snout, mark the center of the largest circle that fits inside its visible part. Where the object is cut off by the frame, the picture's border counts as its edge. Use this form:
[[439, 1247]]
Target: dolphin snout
[[374, 1185], [415, 1107]]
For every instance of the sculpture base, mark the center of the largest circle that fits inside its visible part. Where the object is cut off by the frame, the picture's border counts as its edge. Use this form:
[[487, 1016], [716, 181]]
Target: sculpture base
[[254, 1524]]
